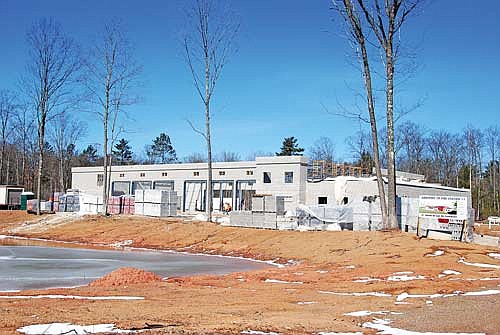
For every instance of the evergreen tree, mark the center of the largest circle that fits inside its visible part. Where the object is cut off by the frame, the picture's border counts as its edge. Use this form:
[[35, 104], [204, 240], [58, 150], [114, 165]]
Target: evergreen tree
[[89, 156], [163, 150], [366, 161], [290, 148], [123, 152]]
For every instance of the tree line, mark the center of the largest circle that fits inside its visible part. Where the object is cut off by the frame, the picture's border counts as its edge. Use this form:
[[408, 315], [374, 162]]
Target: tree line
[[465, 159], [64, 82]]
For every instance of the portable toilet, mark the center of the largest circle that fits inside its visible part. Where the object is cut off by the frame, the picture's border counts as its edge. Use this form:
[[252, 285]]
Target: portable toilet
[[25, 196]]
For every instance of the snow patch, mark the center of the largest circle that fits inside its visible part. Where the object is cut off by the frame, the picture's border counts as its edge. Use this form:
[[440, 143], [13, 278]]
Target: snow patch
[[487, 292], [492, 254], [282, 281], [258, 332], [449, 273], [481, 265], [358, 294], [405, 278], [122, 244], [366, 280], [68, 328], [436, 253], [405, 295]]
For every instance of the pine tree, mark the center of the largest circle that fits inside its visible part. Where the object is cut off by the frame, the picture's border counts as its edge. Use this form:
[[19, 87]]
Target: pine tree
[[290, 148], [163, 150], [89, 156], [123, 152]]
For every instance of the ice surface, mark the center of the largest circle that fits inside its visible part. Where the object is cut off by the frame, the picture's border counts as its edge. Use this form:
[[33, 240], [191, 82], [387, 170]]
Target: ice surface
[[35, 267]]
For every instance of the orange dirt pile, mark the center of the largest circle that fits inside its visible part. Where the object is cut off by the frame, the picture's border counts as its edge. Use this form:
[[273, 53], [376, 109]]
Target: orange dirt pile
[[126, 276]]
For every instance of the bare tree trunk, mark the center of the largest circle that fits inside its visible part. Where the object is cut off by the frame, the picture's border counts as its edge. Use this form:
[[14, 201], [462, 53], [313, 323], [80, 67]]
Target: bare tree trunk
[[2, 155], [18, 174], [105, 165], [213, 34], [7, 170], [41, 134], [61, 172], [209, 152], [356, 29], [391, 156], [373, 126]]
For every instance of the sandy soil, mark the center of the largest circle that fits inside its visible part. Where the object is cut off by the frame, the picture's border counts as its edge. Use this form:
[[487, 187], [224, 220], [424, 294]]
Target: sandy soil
[[301, 298]]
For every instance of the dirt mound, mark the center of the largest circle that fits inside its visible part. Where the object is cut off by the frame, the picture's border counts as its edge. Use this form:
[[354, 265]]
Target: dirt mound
[[126, 276]]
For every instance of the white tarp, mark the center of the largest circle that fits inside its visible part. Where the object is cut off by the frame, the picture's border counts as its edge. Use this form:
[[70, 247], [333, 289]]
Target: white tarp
[[319, 215]]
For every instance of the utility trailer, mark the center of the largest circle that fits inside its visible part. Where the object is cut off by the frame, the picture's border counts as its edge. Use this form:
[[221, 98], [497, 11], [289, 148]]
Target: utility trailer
[[10, 196]]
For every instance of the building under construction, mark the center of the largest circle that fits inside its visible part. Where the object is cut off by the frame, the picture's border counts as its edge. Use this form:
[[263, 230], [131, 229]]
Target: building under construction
[[294, 179]]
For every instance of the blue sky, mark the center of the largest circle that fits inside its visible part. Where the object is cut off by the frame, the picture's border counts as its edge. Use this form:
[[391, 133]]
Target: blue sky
[[291, 60]]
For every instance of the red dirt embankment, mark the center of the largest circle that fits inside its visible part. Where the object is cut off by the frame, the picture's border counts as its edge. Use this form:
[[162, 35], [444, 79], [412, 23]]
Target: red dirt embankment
[[126, 276], [10, 219], [338, 273]]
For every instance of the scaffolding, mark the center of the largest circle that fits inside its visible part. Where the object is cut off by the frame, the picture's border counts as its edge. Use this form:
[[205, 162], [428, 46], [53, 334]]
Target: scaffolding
[[320, 169]]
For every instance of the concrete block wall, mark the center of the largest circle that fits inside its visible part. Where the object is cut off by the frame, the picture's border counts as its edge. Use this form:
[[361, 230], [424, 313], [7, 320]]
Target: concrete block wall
[[277, 167]]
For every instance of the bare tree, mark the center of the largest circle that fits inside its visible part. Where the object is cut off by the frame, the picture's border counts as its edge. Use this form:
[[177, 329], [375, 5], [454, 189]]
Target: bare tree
[[228, 156], [195, 157], [359, 144], [412, 138], [111, 74], [356, 31], [445, 149], [474, 145], [492, 139], [363, 19], [207, 50], [24, 124], [51, 69], [66, 131], [7, 113], [322, 149]]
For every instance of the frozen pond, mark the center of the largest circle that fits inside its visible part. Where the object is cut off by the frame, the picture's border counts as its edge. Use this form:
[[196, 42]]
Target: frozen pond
[[35, 267]]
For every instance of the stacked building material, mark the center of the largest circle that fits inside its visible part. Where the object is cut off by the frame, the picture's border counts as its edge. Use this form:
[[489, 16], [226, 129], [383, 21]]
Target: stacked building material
[[139, 202], [114, 204], [90, 203], [158, 203], [57, 196], [128, 204], [46, 206], [68, 202], [268, 204], [32, 205], [61, 207]]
